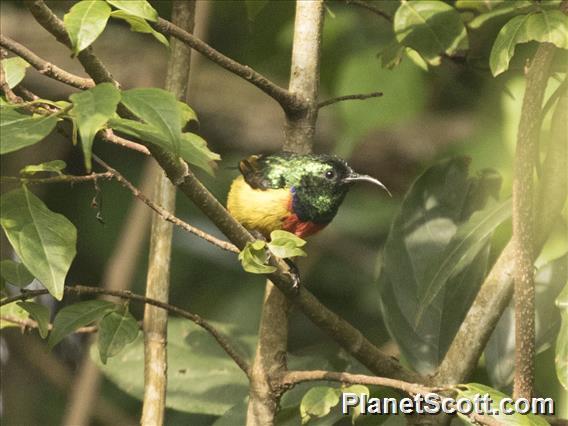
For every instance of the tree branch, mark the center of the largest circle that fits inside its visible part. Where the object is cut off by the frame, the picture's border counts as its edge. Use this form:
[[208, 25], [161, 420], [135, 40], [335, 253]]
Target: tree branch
[[29, 323], [46, 68], [109, 136], [128, 295], [56, 179], [367, 5], [48, 20], [290, 102], [359, 97], [495, 292], [526, 157]]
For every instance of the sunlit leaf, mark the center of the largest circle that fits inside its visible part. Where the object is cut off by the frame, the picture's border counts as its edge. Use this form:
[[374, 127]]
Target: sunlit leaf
[[14, 312], [85, 22], [472, 391], [430, 27], [18, 130], [500, 350], [561, 356], [318, 402], [44, 241], [136, 8], [544, 26], [40, 314], [139, 25], [254, 258], [201, 376], [15, 273], [77, 315], [116, 330], [194, 150], [436, 257], [14, 70], [55, 166], [285, 244], [187, 114], [91, 110]]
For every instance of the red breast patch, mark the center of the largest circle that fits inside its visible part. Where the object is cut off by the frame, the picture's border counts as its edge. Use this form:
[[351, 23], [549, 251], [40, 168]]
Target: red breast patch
[[294, 225]]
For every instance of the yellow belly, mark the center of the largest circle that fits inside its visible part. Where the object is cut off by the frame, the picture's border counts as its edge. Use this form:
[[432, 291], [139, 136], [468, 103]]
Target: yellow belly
[[256, 209]]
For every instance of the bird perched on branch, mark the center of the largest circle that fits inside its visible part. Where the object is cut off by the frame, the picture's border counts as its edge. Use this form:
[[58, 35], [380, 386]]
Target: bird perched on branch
[[296, 193]]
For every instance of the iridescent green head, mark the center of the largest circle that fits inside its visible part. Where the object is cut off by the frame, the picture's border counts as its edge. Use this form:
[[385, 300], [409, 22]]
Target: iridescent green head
[[318, 183]]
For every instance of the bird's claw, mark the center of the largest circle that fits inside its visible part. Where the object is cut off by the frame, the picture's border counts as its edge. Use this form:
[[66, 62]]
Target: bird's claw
[[294, 274]]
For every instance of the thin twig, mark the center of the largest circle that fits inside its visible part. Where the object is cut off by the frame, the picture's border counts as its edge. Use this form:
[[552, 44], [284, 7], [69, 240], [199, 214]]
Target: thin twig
[[109, 136], [44, 67], [367, 5], [291, 378], [10, 95], [56, 179], [125, 294], [360, 97], [29, 323], [290, 102], [166, 215]]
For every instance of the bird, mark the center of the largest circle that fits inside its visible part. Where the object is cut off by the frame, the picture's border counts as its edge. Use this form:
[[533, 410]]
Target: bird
[[298, 193]]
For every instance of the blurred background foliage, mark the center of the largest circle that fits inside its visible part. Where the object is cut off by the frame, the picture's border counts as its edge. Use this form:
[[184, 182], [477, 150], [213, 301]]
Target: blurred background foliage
[[451, 110]]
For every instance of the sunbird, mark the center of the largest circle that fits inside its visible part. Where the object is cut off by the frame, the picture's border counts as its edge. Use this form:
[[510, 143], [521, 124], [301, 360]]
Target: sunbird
[[298, 193]]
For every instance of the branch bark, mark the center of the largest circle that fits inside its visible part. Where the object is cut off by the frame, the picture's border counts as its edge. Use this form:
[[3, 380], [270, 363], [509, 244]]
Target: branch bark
[[158, 279]]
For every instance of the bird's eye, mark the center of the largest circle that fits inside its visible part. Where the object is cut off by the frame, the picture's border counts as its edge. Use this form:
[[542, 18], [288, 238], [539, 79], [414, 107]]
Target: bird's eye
[[330, 174]]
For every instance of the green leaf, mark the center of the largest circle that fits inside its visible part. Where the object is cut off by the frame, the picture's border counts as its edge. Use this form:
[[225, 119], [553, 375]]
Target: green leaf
[[436, 257], [544, 26], [55, 166], [139, 25], [116, 330], [40, 314], [464, 246], [391, 56], [12, 311], [201, 377], [14, 70], [158, 108], [44, 241], [285, 244], [500, 350], [254, 258], [430, 27], [18, 130], [91, 110], [472, 391], [85, 22], [187, 114], [77, 315], [254, 7], [193, 148], [136, 8], [15, 273], [318, 402], [561, 357]]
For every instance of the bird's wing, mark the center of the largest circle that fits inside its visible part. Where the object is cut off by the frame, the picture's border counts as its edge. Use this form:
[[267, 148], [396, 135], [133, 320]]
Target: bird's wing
[[255, 171]]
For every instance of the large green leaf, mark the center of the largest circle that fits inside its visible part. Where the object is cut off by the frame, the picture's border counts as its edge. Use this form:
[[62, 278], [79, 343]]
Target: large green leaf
[[139, 25], [91, 110], [136, 8], [544, 26], [85, 22], [77, 315], [18, 130], [14, 70], [472, 391], [424, 298], [201, 377], [159, 109], [430, 27], [561, 357], [15, 273], [193, 148], [500, 350], [40, 314], [45, 241], [116, 330]]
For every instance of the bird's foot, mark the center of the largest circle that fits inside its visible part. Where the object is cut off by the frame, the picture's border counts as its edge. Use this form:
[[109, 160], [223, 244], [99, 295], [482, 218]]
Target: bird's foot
[[294, 273]]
